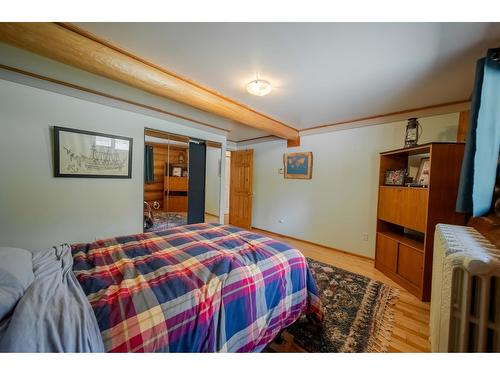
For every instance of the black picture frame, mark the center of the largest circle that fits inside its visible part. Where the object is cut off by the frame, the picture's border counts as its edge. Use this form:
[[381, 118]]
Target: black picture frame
[[390, 179], [57, 152]]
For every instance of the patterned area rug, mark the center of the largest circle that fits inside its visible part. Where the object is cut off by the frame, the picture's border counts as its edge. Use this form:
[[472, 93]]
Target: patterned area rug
[[358, 313], [164, 220]]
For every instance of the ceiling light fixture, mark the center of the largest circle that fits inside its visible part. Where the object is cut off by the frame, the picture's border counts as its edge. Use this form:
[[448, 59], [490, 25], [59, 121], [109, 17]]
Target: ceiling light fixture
[[259, 87]]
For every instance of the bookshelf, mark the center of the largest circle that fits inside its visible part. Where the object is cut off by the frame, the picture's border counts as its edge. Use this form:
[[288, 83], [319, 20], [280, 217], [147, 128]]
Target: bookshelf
[[175, 188], [407, 216]]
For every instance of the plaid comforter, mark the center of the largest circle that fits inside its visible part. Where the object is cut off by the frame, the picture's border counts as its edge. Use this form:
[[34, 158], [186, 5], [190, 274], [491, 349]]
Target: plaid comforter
[[194, 288]]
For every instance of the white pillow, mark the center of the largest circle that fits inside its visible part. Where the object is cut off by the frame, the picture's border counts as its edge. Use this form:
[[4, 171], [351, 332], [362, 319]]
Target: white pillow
[[16, 275]]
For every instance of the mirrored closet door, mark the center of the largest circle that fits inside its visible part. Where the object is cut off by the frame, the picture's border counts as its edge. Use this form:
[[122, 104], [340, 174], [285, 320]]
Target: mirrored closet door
[[213, 182], [182, 179], [166, 190]]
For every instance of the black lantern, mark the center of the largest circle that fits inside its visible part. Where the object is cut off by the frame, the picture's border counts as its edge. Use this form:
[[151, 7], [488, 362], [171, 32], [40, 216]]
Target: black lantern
[[181, 157], [412, 132]]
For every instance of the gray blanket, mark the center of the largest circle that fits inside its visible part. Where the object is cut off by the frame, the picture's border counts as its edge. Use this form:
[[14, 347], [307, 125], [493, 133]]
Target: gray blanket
[[54, 314]]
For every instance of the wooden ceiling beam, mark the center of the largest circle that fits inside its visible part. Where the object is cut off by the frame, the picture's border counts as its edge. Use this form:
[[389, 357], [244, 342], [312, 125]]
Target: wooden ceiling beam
[[69, 47]]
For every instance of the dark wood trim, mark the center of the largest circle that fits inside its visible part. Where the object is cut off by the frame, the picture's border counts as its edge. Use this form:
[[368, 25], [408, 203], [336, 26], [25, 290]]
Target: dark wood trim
[[302, 131], [387, 114], [108, 96], [419, 149], [293, 142], [314, 243], [166, 135], [213, 144], [165, 145], [463, 126], [256, 138]]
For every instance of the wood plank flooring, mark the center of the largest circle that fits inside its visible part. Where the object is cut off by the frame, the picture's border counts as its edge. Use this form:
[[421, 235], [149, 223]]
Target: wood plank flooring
[[209, 218], [411, 316]]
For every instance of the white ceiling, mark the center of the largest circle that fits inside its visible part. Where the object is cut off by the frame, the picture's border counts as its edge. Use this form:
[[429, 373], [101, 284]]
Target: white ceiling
[[322, 72]]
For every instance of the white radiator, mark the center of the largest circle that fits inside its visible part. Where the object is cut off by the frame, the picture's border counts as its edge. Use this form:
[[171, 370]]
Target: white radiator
[[465, 300]]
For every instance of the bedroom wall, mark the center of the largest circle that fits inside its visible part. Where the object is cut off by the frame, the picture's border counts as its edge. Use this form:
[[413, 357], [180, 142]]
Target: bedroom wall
[[38, 210], [339, 204]]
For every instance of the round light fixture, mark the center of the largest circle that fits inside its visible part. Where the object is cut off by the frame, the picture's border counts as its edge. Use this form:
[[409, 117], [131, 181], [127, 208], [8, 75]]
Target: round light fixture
[[259, 87]]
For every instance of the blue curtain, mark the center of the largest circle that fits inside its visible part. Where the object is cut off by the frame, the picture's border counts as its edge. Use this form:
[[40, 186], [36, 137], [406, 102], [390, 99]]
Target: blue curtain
[[148, 164], [477, 179]]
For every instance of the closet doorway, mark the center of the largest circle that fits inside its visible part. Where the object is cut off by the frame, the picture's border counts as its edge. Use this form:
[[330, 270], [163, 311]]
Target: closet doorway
[[181, 180]]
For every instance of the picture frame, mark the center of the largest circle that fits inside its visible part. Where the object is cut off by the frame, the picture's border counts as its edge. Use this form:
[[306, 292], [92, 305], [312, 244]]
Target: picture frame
[[88, 154], [395, 177], [298, 165], [176, 172], [423, 175]]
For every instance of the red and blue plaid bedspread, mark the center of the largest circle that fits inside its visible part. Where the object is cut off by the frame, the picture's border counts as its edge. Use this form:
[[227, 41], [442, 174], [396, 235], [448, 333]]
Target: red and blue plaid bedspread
[[194, 288]]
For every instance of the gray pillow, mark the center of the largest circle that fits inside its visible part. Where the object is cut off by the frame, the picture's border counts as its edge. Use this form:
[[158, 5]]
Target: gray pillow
[[16, 275]]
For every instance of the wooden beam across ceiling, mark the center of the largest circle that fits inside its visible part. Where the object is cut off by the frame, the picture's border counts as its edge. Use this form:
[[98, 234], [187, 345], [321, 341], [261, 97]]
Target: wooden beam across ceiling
[[67, 46]]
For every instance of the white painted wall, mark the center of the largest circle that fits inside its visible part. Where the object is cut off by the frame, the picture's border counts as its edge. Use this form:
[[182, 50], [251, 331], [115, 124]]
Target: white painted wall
[[38, 210], [340, 202], [212, 181]]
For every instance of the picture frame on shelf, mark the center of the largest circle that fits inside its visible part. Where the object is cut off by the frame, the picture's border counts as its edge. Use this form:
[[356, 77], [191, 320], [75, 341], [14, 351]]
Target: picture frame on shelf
[[424, 170], [395, 177], [176, 172]]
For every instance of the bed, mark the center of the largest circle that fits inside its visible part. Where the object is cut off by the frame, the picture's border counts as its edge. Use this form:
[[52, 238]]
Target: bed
[[193, 288]]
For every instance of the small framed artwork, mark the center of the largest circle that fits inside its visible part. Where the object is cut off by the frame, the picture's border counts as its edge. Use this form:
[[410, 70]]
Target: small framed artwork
[[176, 171], [82, 153], [395, 177], [424, 172], [298, 165]]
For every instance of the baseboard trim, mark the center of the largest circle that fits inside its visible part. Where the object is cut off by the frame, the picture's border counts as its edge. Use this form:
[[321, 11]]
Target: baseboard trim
[[316, 244]]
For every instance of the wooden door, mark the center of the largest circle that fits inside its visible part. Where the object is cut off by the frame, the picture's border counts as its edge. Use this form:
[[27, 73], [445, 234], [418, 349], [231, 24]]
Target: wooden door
[[241, 190]]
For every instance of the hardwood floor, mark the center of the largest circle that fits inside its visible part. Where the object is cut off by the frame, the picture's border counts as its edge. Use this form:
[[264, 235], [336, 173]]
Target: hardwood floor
[[209, 218], [411, 316]]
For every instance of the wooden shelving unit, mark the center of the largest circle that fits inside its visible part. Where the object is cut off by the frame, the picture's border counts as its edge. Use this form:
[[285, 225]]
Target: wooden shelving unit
[[407, 216], [175, 190], [412, 242]]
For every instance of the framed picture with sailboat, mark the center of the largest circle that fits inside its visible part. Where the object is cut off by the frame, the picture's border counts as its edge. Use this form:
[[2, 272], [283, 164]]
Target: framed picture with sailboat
[[82, 153]]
